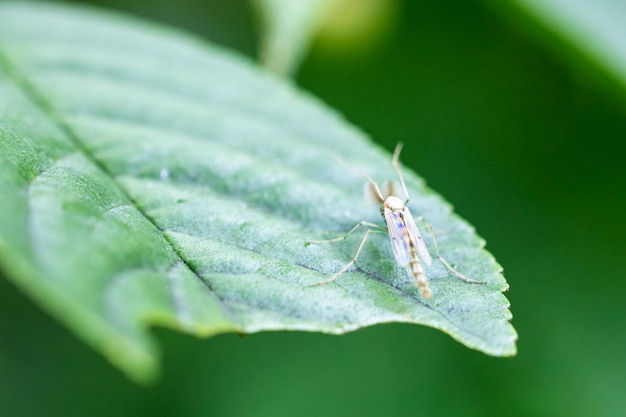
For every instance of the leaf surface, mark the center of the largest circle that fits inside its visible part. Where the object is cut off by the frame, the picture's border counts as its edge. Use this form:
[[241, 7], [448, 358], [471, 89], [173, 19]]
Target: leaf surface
[[148, 178]]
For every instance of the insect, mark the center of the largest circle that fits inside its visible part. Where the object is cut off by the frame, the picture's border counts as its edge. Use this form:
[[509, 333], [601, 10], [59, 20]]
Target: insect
[[407, 243]]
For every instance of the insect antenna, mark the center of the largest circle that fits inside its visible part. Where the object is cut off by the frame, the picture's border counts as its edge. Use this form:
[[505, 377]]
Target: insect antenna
[[396, 165], [373, 184]]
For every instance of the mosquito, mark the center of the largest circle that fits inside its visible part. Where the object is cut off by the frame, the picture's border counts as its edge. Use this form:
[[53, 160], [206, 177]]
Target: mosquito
[[407, 243]]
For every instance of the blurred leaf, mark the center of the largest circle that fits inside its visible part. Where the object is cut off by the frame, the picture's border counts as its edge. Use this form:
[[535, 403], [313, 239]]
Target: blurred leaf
[[288, 29], [148, 178], [595, 29]]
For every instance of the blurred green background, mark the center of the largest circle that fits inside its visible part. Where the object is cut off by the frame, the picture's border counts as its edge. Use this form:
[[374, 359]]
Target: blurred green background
[[524, 138]]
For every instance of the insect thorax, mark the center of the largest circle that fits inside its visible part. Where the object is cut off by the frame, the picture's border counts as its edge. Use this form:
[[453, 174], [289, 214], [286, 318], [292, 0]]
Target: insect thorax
[[394, 203]]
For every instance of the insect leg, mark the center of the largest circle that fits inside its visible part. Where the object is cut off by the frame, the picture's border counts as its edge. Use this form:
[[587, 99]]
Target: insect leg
[[337, 239], [442, 259], [349, 264]]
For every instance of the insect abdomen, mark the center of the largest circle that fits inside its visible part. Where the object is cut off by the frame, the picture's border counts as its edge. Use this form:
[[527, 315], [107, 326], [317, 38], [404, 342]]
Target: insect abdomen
[[417, 271]]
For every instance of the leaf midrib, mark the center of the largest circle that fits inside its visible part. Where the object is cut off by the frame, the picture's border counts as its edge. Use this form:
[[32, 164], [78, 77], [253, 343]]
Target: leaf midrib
[[49, 111]]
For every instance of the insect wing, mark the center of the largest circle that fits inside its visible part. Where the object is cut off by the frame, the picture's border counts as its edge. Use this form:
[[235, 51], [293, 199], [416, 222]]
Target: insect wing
[[416, 237], [398, 234]]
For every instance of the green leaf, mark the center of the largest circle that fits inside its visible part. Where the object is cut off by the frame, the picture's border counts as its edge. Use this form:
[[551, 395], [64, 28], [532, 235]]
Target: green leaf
[[148, 178]]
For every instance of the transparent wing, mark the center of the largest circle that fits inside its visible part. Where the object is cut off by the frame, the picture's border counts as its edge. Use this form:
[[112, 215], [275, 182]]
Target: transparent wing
[[399, 236], [371, 194], [416, 237]]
